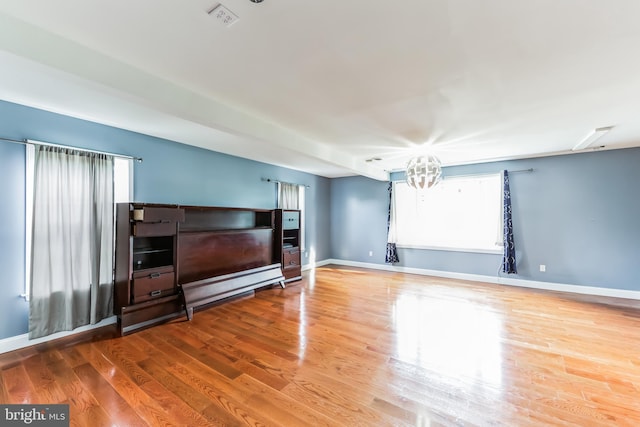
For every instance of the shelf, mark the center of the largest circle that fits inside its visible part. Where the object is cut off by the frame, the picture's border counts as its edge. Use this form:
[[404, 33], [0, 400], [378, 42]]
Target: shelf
[[213, 219], [152, 268], [150, 251], [219, 230]]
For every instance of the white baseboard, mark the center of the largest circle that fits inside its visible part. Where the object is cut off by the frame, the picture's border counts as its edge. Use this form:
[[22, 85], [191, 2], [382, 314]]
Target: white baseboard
[[534, 284], [319, 264], [22, 341]]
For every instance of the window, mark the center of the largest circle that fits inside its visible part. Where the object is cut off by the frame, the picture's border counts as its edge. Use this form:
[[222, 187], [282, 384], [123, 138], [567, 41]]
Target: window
[[460, 213], [122, 179]]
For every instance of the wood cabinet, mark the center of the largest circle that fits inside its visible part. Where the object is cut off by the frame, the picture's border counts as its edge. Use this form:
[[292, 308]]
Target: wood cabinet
[[146, 264], [287, 243]]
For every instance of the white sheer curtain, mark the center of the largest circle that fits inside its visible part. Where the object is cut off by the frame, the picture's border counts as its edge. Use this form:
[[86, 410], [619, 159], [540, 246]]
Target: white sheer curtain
[[72, 251], [288, 196]]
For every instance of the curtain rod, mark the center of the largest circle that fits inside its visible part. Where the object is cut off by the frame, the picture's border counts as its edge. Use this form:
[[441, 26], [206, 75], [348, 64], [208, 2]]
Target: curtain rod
[[479, 174], [282, 182], [33, 142], [489, 173]]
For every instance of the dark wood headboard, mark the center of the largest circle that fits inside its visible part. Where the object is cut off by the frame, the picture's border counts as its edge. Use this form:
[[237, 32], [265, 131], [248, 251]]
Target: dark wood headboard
[[214, 241], [205, 254]]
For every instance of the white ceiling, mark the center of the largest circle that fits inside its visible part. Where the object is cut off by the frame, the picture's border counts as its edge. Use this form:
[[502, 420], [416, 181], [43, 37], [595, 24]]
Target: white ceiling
[[323, 86]]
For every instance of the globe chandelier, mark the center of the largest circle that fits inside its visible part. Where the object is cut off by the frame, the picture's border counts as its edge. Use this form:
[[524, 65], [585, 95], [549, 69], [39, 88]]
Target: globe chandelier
[[423, 172]]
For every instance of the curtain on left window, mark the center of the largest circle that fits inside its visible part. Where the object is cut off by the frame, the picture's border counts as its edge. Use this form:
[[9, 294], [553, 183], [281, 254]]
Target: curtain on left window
[[72, 240]]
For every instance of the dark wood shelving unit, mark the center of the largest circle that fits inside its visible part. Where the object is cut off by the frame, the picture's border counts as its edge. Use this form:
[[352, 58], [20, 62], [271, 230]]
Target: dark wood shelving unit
[[146, 290], [287, 243]]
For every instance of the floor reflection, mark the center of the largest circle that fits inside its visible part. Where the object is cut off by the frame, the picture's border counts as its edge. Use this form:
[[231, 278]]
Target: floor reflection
[[302, 329], [455, 338]]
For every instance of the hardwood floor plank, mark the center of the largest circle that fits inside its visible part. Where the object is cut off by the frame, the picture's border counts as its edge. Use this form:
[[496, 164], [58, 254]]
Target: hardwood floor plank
[[397, 412], [332, 404], [348, 346], [220, 390], [259, 340], [278, 415], [109, 399], [145, 406], [171, 406], [72, 356], [179, 349], [19, 388], [205, 357], [48, 389], [164, 358], [84, 408], [254, 370], [4, 394], [196, 400], [305, 414]]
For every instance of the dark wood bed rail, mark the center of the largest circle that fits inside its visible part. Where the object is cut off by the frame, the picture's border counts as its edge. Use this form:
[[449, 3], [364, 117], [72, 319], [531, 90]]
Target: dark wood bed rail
[[207, 291]]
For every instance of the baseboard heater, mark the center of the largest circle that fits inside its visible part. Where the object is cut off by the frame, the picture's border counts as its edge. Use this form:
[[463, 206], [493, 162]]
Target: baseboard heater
[[206, 291]]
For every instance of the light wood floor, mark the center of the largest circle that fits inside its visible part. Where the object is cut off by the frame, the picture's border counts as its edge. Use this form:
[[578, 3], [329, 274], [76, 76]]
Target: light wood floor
[[353, 347]]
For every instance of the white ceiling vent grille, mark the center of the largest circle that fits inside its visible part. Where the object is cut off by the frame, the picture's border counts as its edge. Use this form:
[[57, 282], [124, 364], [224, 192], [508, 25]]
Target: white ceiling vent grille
[[223, 15]]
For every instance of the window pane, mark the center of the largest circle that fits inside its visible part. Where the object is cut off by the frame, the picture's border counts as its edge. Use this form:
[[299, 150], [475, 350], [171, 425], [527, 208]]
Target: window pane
[[459, 213], [122, 180]]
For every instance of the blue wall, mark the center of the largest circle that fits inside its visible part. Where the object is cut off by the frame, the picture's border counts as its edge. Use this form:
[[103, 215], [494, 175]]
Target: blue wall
[[577, 214], [171, 173], [14, 311], [359, 219]]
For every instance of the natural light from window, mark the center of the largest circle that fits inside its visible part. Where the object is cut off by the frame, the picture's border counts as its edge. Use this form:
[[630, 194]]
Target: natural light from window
[[460, 213], [122, 179], [458, 339]]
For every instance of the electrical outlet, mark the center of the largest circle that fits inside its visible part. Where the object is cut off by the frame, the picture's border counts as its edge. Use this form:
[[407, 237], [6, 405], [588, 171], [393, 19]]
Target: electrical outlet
[[543, 268], [370, 253], [223, 15]]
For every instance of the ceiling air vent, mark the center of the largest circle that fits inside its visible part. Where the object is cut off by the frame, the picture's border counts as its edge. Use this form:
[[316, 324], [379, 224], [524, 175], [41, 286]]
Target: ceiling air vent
[[223, 15]]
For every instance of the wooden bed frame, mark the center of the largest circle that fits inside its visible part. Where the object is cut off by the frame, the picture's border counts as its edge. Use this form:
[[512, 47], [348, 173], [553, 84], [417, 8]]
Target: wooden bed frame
[[211, 254]]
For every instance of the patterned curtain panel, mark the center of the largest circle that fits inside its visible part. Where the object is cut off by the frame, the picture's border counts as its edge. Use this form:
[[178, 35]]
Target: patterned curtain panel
[[509, 255], [392, 250]]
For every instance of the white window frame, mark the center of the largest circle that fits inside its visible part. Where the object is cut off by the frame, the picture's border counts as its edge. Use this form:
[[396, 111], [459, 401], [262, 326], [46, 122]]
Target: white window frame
[[411, 208]]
